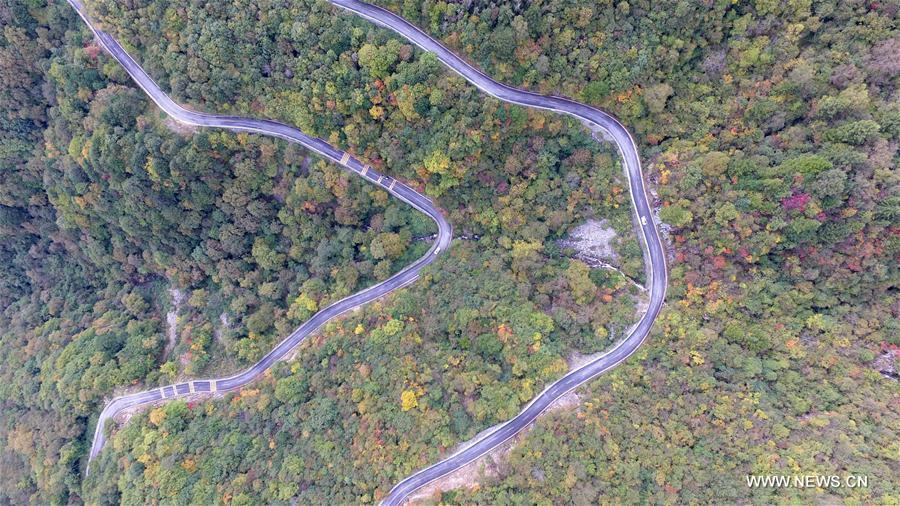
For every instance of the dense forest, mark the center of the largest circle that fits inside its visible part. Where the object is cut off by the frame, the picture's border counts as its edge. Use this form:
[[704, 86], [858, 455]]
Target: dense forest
[[768, 132]]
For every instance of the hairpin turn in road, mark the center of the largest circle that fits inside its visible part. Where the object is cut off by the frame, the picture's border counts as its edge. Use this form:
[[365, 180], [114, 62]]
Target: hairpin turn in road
[[596, 120], [266, 127]]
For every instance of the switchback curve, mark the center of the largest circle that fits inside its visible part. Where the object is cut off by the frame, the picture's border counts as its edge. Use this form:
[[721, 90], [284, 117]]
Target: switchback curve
[[593, 118], [655, 260], [266, 127]]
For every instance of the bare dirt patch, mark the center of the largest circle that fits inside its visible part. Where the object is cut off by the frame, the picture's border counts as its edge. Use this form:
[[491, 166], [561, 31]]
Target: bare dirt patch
[[641, 305], [225, 324], [577, 360], [592, 242], [178, 127], [569, 402], [172, 321], [468, 476], [295, 351], [884, 364], [489, 465]]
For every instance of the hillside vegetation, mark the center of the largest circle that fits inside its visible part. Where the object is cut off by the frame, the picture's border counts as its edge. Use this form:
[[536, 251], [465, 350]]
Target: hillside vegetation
[[768, 130]]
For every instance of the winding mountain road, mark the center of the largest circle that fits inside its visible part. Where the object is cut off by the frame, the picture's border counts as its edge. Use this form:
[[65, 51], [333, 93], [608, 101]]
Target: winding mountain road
[[291, 134], [596, 120], [655, 260]]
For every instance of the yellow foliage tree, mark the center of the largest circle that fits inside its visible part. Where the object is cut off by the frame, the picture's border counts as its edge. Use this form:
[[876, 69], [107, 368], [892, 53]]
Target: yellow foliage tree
[[437, 163], [408, 400], [157, 416], [377, 112]]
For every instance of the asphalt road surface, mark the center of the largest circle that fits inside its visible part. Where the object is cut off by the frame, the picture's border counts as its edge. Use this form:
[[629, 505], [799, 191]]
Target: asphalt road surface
[[596, 120], [406, 276], [655, 259]]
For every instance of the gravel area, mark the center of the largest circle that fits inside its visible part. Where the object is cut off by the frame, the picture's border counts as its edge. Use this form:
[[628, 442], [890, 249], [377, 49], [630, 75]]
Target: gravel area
[[172, 320], [592, 242]]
